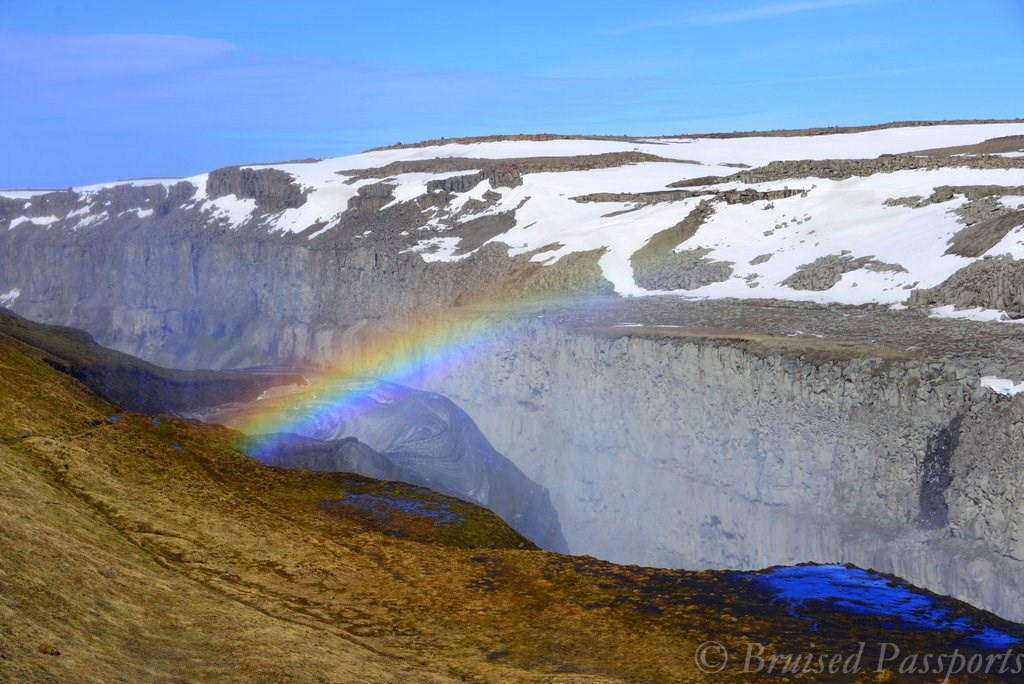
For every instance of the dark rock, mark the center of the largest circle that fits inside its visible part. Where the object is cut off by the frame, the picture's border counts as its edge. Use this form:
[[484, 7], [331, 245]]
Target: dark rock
[[273, 189], [824, 272], [996, 283], [937, 476]]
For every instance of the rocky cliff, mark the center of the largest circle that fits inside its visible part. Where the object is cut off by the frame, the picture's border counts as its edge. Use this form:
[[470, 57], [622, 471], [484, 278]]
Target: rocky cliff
[[705, 453]]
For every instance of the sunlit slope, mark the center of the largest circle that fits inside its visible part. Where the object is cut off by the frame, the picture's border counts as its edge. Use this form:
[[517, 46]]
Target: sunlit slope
[[142, 549]]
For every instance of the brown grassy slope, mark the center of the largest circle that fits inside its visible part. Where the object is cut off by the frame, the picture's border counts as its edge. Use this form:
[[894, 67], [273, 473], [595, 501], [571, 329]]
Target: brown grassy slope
[[134, 551], [142, 551]]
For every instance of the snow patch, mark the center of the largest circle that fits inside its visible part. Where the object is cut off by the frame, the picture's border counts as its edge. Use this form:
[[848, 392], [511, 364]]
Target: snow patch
[[140, 213], [137, 182], [1002, 385], [975, 314], [753, 150], [34, 220], [438, 249], [412, 185], [477, 192], [231, 208], [24, 194], [8, 297], [90, 219], [327, 195], [80, 211]]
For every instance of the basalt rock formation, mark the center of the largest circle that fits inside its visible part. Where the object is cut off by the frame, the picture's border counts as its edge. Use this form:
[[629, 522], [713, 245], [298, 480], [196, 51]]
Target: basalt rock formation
[[759, 450]]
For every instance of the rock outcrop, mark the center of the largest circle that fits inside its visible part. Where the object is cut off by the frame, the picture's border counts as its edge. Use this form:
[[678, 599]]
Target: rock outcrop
[[996, 283], [826, 271], [840, 169], [273, 190]]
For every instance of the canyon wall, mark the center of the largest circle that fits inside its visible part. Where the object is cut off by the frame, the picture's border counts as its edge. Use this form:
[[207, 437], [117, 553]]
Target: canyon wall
[[705, 454], [178, 289], [654, 450]]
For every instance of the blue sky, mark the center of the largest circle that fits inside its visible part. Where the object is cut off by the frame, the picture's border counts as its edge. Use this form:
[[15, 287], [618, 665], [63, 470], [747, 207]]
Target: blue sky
[[101, 90]]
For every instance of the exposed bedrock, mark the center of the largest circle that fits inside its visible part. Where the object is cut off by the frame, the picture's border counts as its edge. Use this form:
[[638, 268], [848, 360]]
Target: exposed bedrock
[[273, 189], [708, 455], [502, 172], [657, 266], [826, 271], [991, 283]]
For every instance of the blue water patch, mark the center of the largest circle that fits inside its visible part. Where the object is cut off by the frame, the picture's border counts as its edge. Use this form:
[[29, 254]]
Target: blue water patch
[[115, 419], [862, 592], [381, 506]]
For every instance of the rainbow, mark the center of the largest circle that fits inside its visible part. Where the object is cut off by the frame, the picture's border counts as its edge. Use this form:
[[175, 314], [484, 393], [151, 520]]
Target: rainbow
[[424, 348]]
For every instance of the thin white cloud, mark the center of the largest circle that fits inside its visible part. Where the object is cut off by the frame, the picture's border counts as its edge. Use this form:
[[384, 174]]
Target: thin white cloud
[[881, 73], [755, 13], [850, 76], [618, 69], [105, 54]]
